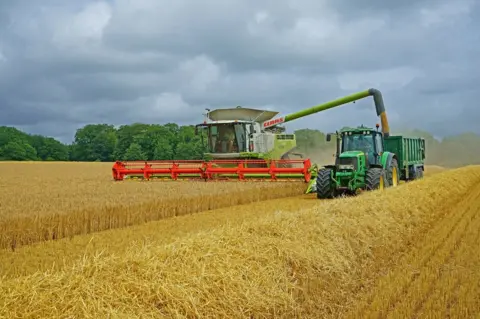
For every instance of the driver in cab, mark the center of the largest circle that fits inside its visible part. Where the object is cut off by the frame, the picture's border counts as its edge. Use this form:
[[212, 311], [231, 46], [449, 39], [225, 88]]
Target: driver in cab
[[365, 144]]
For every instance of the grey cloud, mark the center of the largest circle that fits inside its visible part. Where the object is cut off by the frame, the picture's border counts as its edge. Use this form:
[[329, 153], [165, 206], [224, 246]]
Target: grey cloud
[[67, 64]]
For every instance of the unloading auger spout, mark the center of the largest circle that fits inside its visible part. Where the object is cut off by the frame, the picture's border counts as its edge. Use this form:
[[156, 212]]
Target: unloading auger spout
[[377, 98]]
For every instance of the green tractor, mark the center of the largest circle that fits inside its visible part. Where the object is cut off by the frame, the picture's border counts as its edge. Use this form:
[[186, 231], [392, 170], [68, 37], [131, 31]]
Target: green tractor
[[367, 159], [361, 163]]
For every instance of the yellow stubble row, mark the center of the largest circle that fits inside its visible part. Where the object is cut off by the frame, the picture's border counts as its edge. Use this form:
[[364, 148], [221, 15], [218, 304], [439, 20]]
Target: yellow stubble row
[[303, 258]]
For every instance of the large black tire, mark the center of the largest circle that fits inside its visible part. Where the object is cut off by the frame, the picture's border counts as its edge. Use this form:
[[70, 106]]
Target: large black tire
[[419, 172], [413, 175], [373, 179], [324, 184], [393, 174], [416, 174]]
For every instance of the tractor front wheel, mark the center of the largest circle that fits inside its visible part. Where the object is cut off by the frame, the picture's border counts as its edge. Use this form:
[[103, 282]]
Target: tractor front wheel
[[324, 184], [375, 179]]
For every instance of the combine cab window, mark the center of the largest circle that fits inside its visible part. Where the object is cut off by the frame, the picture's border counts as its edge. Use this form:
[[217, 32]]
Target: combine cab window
[[226, 138]]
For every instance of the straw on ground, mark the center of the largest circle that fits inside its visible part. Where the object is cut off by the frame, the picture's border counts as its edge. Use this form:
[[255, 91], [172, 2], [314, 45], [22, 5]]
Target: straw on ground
[[286, 262]]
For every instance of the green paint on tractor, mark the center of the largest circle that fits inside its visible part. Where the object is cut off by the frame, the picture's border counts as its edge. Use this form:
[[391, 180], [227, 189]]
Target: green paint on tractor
[[364, 161]]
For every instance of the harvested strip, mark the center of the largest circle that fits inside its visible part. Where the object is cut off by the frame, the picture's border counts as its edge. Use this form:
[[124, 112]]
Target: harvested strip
[[55, 255], [308, 264], [438, 277], [19, 231]]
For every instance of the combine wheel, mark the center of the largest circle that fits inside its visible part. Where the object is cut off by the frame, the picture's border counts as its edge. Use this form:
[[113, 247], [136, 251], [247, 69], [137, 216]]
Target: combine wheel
[[323, 184], [392, 173], [375, 179]]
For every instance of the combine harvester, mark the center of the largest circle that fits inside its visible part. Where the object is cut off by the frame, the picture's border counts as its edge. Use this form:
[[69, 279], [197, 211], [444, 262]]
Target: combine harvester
[[245, 143], [366, 159]]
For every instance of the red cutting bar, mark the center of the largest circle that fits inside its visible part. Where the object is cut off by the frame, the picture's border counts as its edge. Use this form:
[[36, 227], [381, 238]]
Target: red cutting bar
[[210, 170], [149, 168]]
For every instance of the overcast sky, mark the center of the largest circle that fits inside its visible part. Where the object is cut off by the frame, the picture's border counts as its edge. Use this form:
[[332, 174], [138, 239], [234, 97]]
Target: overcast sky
[[67, 63]]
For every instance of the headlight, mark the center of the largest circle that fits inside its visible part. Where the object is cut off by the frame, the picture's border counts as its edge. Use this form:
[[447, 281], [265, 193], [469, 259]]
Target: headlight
[[346, 167]]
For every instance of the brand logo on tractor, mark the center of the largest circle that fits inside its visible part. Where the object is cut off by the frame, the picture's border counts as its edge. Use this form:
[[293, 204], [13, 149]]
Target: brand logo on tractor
[[273, 122]]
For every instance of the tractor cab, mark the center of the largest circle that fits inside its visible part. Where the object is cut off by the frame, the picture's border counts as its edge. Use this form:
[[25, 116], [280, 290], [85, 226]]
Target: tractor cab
[[352, 142]]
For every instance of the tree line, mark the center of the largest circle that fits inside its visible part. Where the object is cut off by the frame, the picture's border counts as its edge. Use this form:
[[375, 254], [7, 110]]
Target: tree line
[[106, 143]]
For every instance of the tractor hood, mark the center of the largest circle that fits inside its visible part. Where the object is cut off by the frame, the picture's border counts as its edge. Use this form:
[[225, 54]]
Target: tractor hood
[[351, 154]]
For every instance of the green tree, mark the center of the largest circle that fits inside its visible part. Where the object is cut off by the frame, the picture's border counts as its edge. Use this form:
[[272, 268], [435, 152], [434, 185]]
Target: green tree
[[186, 151], [50, 149], [163, 150], [94, 142], [135, 153], [18, 151], [126, 136]]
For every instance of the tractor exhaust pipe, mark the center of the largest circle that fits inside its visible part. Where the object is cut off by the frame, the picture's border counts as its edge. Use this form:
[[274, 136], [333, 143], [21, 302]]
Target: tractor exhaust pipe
[[337, 155]]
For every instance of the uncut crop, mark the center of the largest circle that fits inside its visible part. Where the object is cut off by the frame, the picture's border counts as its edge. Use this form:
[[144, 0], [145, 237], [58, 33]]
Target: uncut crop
[[299, 258], [45, 201]]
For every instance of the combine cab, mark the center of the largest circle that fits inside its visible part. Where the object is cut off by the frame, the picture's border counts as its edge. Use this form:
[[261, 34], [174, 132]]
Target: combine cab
[[244, 144]]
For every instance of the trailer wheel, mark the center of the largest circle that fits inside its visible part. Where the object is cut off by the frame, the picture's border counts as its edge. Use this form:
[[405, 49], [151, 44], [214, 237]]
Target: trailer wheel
[[323, 184], [375, 179], [413, 174], [393, 173], [419, 173]]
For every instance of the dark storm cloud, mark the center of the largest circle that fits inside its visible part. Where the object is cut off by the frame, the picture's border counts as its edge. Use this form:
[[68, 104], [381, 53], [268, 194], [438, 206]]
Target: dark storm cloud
[[65, 64]]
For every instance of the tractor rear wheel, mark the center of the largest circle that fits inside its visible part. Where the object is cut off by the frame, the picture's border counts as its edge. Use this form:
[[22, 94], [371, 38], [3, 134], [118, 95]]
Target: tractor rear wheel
[[375, 179], [324, 184], [392, 173]]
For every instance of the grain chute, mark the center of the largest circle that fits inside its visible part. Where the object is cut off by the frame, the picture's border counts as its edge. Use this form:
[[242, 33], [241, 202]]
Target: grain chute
[[244, 144]]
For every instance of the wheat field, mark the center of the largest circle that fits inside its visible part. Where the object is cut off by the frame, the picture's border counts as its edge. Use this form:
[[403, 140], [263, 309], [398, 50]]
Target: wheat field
[[45, 201], [405, 252]]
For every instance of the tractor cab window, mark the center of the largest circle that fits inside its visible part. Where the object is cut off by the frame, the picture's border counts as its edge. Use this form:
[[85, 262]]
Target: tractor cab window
[[226, 138], [359, 142]]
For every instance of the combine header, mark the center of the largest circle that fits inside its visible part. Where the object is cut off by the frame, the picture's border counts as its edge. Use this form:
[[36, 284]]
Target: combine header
[[245, 143], [274, 170]]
